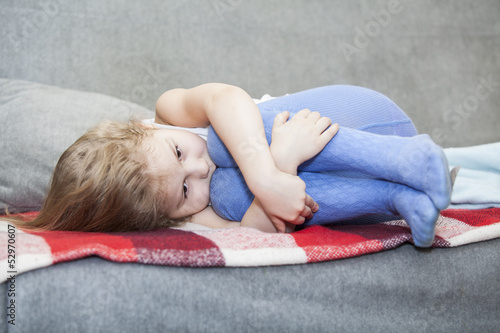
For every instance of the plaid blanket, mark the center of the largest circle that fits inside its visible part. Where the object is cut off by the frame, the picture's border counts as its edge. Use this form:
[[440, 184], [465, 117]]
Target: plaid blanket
[[24, 251]]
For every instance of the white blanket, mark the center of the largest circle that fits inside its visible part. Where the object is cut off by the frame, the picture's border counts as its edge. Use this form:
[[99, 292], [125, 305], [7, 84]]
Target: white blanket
[[478, 181]]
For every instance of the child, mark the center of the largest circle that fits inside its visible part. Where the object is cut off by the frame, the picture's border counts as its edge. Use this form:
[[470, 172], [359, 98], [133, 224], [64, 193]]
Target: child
[[126, 177]]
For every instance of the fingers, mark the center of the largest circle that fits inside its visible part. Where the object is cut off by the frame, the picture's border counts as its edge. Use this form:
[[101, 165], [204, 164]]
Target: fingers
[[311, 204], [299, 220], [303, 113], [325, 129], [313, 116], [322, 123], [279, 224], [309, 115], [329, 133], [310, 208], [307, 213], [280, 119]]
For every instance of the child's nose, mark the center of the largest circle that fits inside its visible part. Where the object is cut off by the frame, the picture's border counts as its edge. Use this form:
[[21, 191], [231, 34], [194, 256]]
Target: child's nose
[[198, 168]]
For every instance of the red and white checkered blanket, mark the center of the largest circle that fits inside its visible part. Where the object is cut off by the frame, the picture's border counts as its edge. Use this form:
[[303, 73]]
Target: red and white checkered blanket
[[23, 251]]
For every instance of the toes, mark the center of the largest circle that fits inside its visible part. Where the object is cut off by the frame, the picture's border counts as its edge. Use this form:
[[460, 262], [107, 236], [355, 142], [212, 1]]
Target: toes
[[423, 225], [419, 212], [440, 184], [435, 177]]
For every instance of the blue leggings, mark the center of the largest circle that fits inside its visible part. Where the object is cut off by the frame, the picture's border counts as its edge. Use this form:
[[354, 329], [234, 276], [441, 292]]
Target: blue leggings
[[359, 174]]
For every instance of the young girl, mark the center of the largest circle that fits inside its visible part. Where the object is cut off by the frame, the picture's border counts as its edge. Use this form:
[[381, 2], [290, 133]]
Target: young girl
[[130, 176]]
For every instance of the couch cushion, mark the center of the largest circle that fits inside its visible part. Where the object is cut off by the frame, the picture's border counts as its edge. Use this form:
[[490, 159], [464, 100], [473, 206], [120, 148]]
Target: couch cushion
[[38, 122]]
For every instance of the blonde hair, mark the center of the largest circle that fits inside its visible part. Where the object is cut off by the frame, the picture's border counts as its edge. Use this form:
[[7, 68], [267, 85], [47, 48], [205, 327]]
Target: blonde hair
[[101, 183]]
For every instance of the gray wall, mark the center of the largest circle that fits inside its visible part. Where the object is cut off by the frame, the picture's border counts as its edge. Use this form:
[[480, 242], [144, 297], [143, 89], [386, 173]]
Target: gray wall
[[438, 60]]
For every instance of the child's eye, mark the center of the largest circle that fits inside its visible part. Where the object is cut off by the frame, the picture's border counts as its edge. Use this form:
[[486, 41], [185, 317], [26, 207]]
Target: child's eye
[[179, 152], [185, 190]]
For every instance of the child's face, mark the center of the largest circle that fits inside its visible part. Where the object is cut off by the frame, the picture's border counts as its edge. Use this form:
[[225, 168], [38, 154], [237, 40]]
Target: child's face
[[182, 157]]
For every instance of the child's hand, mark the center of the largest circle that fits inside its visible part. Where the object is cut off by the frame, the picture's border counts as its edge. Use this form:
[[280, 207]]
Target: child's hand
[[284, 199], [299, 139], [293, 142]]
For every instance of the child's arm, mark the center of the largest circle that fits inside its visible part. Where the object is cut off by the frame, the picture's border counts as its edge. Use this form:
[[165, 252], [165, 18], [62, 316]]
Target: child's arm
[[293, 142], [237, 120]]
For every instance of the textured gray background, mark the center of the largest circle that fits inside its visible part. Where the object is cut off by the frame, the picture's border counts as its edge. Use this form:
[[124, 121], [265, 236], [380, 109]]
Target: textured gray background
[[428, 56], [403, 290]]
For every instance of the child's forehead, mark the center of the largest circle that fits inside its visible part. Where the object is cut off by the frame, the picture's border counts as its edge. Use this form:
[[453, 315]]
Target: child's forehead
[[178, 136], [161, 137], [158, 157], [154, 144], [166, 133]]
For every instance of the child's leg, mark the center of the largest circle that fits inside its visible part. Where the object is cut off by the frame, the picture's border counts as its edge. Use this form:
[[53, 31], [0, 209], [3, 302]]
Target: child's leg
[[371, 198], [416, 162], [363, 115], [340, 198], [350, 106], [230, 196]]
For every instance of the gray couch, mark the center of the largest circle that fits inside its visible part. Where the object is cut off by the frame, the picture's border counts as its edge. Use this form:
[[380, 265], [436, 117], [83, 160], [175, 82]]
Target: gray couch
[[438, 60]]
